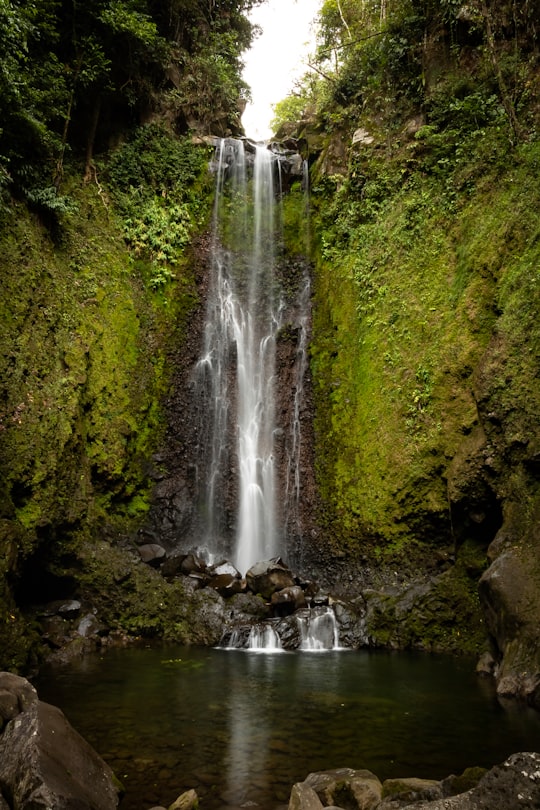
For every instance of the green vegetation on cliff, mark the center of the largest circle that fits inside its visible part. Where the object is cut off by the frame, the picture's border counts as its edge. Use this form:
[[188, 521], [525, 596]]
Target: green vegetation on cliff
[[102, 193], [87, 318], [423, 223], [420, 121]]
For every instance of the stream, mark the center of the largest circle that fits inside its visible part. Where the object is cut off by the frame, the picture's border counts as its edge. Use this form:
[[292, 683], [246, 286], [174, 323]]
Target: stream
[[241, 727]]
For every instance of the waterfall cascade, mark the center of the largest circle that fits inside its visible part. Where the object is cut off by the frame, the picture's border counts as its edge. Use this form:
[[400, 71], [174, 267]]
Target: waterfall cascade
[[319, 630], [311, 629], [235, 378], [264, 637]]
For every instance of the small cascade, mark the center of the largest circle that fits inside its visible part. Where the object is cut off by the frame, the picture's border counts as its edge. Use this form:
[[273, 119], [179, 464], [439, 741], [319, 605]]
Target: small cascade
[[264, 638], [319, 630]]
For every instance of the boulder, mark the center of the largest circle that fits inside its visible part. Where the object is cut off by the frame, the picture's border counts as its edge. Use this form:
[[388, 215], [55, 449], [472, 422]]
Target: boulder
[[401, 792], [346, 787], [288, 600], [152, 554], [186, 801], [303, 797], [172, 567], [268, 576], [225, 567], [44, 762], [513, 784], [227, 584], [192, 564]]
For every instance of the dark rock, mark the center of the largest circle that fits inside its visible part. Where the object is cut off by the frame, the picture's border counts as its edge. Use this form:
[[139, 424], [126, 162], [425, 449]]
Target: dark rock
[[509, 594], [268, 576], [44, 763], [513, 784], [351, 621], [288, 629], [453, 785], [346, 787], [248, 606], [55, 630], [192, 564], [402, 792], [207, 617], [288, 600], [227, 584], [172, 567], [152, 554]]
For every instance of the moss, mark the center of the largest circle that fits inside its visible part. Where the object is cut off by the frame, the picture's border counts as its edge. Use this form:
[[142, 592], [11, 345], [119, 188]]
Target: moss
[[84, 341], [465, 781], [441, 615], [414, 273]]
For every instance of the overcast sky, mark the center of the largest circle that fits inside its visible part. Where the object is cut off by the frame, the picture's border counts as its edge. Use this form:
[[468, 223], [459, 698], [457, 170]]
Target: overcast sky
[[276, 58]]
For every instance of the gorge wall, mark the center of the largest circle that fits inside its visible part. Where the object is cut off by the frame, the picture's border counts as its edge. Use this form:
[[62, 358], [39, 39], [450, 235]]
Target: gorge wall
[[421, 495]]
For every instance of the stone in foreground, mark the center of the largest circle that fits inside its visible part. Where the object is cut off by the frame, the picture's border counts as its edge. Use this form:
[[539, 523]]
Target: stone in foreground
[[44, 762]]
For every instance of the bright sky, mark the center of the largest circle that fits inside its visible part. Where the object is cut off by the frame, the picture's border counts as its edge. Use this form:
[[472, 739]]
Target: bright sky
[[276, 58]]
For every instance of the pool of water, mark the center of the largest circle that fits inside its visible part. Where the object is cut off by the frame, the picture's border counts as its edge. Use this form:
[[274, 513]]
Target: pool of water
[[241, 727]]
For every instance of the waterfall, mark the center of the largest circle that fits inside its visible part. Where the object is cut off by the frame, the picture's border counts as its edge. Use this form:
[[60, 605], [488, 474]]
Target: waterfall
[[319, 630], [235, 375], [264, 637]]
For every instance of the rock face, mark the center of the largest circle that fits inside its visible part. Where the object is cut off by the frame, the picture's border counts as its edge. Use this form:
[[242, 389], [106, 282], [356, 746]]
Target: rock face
[[515, 783], [44, 762]]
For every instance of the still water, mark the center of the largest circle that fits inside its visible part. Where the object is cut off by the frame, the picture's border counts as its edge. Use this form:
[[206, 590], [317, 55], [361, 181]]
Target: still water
[[241, 727]]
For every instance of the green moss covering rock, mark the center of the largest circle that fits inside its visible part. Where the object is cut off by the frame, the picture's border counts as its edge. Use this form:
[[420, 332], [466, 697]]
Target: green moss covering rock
[[85, 330]]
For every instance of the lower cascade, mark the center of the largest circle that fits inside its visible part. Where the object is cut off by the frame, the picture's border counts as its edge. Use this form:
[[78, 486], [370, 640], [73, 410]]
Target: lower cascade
[[319, 630], [309, 629], [264, 637]]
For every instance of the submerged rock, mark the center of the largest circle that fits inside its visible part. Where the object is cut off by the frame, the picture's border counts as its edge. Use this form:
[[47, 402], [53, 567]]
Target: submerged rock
[[44, 762]]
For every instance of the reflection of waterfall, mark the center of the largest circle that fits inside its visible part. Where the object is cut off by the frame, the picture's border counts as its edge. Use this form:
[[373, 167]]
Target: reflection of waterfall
[[250, 727], [234, 379], [319, 629]]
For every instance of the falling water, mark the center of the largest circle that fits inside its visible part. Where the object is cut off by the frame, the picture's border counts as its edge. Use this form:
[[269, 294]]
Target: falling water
[[264, 637], [234, 378], [319, 630]]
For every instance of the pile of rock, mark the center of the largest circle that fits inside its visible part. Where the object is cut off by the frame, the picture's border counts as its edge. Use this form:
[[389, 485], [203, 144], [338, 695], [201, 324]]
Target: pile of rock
[[513, 784]]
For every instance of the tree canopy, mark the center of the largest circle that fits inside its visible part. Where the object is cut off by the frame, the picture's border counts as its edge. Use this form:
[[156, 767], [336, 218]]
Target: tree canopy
[[75, 73]]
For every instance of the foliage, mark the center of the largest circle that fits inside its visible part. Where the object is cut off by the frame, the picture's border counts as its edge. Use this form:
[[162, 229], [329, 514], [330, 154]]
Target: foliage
[[416, 244], [74, 76], [158, 183]]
